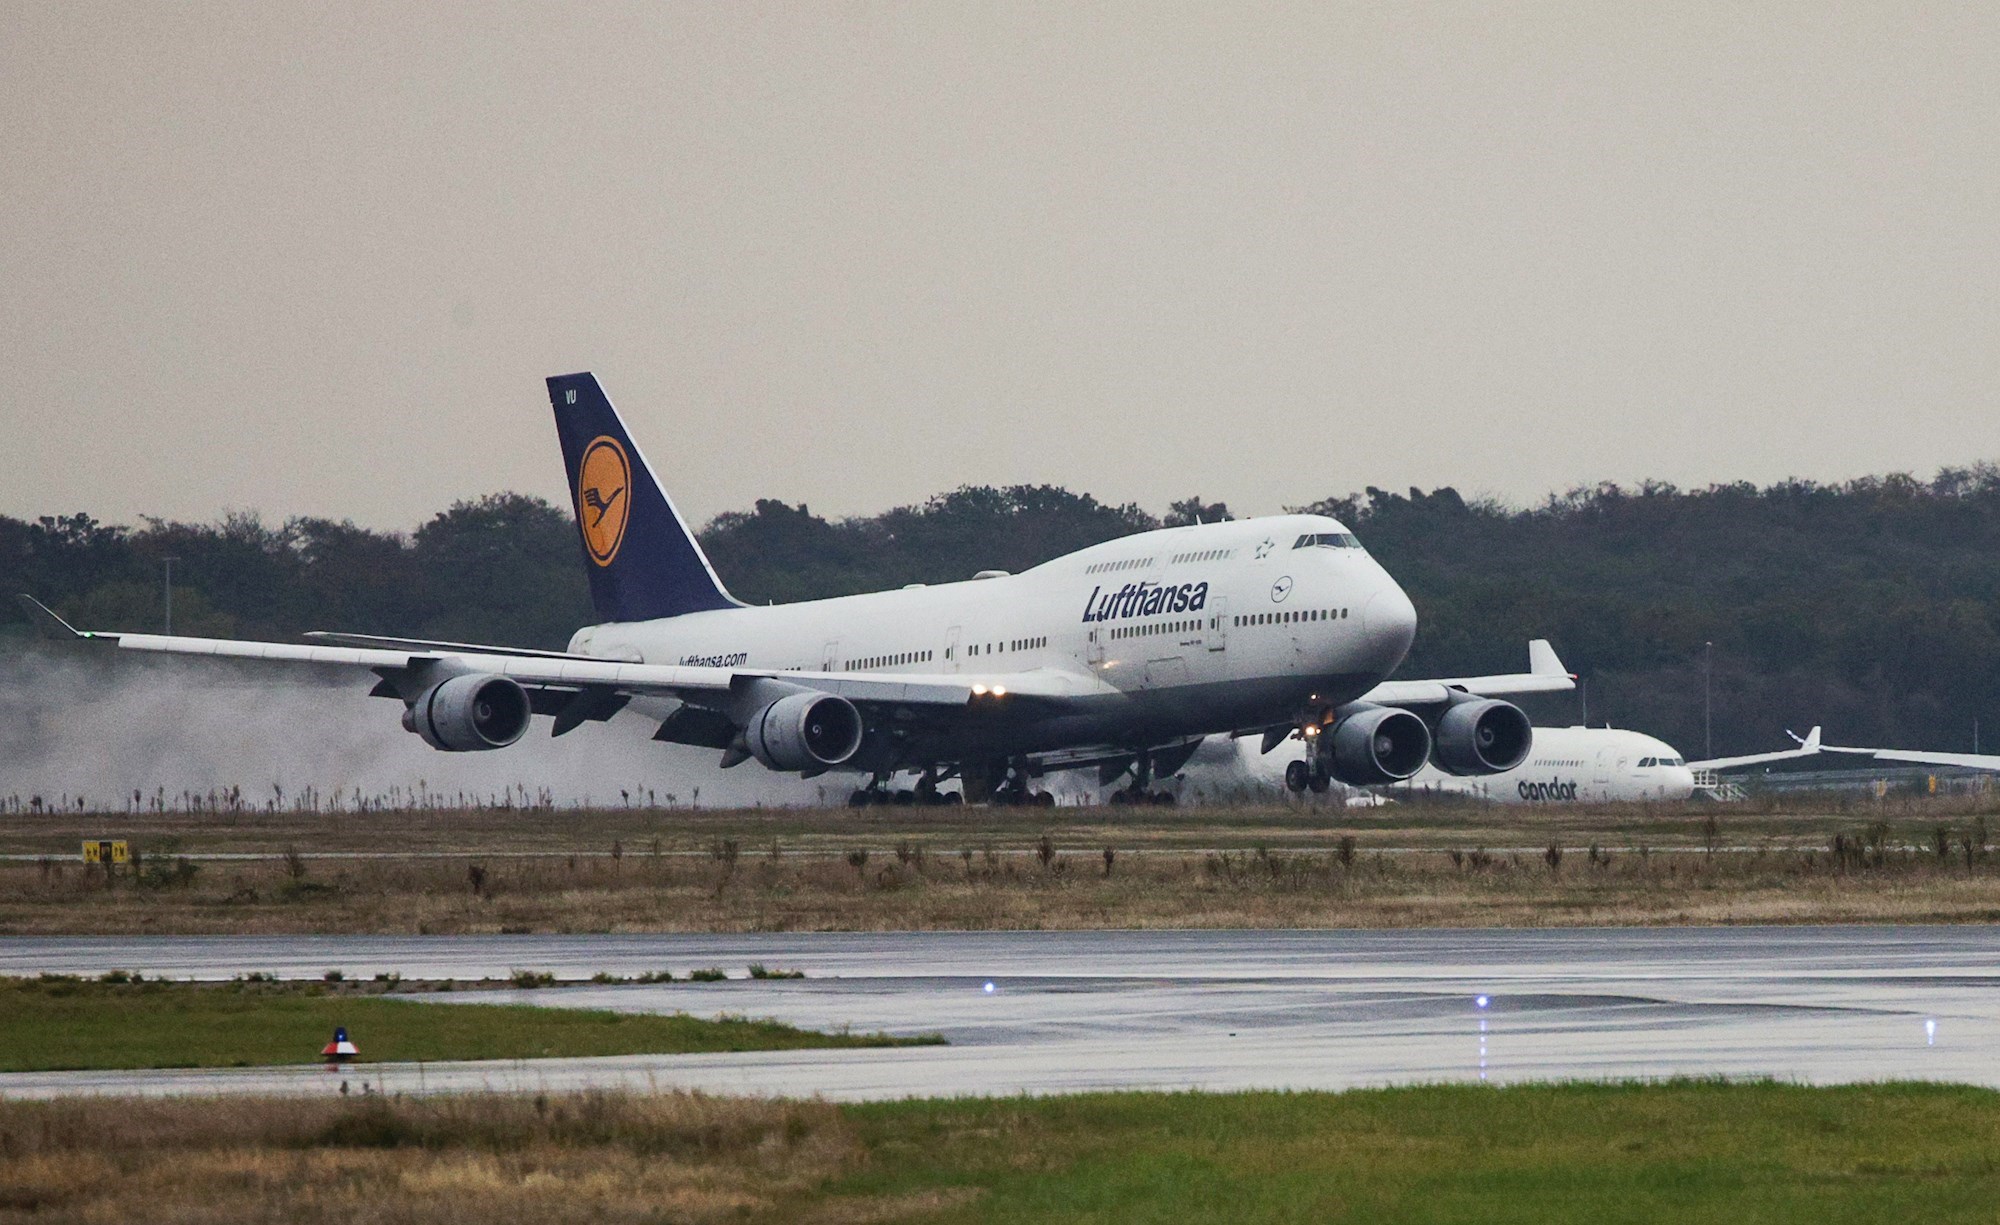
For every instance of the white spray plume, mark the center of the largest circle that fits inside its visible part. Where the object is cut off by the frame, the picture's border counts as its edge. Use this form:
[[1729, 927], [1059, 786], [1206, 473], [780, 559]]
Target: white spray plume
[[102, 727]]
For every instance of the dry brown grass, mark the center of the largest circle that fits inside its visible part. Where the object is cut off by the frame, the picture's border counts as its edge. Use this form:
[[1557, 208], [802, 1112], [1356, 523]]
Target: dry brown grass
[[479, 1159], [1000, 869]]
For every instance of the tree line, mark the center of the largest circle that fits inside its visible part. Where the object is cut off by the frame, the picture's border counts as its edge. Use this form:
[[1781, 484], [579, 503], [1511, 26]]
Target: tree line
[[1868, 606]]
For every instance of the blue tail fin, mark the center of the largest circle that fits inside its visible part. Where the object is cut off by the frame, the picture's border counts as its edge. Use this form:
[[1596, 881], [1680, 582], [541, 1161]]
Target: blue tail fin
[[642, 560]]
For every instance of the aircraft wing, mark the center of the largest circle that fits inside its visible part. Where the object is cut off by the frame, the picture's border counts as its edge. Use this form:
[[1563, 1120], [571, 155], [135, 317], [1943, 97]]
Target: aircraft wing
[[409, 669], [1545, 674], [1909, 757], [1809, 746]]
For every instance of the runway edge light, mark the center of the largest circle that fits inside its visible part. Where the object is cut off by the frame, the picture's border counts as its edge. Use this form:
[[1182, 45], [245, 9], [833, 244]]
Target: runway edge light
[[340, 1050]]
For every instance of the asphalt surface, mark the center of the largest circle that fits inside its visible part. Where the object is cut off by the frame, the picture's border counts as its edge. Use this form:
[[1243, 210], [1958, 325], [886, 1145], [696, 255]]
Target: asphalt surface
[[1074, 1011]]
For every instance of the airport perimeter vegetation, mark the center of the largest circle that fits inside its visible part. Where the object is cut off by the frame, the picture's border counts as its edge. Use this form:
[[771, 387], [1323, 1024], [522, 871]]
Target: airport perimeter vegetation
[[444, 870], [1470, 1153]]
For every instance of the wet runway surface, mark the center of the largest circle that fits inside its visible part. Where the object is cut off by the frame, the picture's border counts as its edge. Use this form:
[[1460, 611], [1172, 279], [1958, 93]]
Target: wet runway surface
[[1070, 1011]]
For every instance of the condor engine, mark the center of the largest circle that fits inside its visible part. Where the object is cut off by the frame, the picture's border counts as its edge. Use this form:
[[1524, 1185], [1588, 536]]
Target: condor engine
[[468, 714], [1373, 745], [1483, 736], [806, 731]]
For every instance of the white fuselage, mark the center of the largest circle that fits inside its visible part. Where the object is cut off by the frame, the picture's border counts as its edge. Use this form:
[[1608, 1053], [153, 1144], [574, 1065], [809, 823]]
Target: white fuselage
[[1594, 765], [1177, 632]]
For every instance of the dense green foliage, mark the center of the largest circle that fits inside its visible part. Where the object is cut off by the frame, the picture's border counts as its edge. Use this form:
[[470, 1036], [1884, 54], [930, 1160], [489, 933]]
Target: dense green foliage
[[1466, 1153], [1869, 607], [55, 1023]]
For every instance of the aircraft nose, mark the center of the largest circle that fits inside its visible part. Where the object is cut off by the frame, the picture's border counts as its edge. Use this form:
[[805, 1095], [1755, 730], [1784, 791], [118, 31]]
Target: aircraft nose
[[1390, 621]]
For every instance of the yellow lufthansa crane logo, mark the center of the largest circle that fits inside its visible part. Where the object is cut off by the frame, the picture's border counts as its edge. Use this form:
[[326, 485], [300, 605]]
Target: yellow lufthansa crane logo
[[604, 497]]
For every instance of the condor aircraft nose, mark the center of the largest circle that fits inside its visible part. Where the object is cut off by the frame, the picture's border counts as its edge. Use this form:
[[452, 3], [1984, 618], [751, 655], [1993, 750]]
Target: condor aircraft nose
[[1389, 622]]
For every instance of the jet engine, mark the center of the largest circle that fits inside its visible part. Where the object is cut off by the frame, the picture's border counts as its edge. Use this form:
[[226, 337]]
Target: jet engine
[[1483, 736], [806, 731], [467, 714], [1372, 745]]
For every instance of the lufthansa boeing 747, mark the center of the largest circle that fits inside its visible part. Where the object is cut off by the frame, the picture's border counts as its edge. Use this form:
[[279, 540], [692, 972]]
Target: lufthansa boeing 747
[[1121, 657]]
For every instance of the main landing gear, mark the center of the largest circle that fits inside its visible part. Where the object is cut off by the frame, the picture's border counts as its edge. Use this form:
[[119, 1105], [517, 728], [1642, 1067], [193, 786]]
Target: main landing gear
[[1303, 776], [925, 793], [1137, 793]]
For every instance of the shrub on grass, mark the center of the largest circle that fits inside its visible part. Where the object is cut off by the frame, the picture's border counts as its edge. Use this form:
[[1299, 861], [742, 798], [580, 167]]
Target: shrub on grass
[[529, 980], [710, 975]]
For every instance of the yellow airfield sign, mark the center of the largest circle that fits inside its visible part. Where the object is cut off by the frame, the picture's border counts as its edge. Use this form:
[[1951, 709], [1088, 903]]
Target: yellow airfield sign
[[107, 851]]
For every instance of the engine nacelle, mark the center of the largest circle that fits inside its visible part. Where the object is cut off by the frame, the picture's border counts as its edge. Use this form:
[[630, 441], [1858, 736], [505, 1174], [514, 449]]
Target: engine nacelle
[[468, 714], [806, 731], [1483, 736], [1373, 745]]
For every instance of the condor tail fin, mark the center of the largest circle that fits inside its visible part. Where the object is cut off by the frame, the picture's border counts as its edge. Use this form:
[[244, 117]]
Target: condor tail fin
[[642, 560]]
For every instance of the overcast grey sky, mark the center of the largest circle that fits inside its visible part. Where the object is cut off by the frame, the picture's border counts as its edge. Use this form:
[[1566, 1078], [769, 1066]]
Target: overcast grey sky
[[316, 259]]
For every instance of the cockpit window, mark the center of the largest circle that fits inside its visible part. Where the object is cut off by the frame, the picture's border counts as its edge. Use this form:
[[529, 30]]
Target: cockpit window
[[1327, 540]]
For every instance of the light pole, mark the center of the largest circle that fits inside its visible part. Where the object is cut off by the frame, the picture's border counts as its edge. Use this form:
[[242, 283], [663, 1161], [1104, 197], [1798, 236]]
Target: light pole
[[1707, 700], [170, 593]]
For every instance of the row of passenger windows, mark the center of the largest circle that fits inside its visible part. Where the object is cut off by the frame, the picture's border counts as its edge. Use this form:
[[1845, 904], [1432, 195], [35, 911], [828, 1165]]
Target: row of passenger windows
[[1203, 555], [1015, 644], [1328, 540], [1661, 761], [1156, 627], [1296, 615], [896, 660], [1130, 563]]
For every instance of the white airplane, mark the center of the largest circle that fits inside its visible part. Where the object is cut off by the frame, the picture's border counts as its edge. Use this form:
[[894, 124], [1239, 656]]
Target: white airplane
[[1122, 656], [1584, 765]]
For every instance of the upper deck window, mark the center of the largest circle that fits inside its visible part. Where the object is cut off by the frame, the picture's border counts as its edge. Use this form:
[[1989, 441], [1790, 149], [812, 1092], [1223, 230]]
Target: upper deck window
[[1328, 540]]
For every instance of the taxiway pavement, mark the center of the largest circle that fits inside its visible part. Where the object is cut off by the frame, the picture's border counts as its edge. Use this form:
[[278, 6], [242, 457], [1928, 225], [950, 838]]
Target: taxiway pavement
[[1050, 1012]]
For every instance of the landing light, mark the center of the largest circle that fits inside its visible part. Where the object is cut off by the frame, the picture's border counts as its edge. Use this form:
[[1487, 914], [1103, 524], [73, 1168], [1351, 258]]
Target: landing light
[[999, 691], [1930, 1031], [1480, 1000], [989, 988], [979, 690], [1311, 730]]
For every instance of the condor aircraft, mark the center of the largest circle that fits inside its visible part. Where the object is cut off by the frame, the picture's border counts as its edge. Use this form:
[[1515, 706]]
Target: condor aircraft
[[1121, 657]]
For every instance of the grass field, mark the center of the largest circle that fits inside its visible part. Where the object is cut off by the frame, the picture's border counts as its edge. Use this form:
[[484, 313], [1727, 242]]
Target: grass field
[[65, 1024], [1670, 1152], [515, 870]]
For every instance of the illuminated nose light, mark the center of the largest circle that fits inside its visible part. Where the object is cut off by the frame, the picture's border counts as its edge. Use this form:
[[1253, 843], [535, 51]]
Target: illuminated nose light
[[1480, 1001], [999, 691], [989, 988], [979, 690]]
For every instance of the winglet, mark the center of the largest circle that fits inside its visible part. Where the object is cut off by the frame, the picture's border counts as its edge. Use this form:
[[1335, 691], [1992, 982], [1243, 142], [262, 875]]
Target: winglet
[[46, 620], [1542, 660], [1810, 743]]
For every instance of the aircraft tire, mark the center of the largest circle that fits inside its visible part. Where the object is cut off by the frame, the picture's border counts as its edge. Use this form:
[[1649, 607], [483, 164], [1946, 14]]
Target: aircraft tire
[[1320, 783], [1163, 799], [1045, 799], [860, 798], [1298, 776]]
